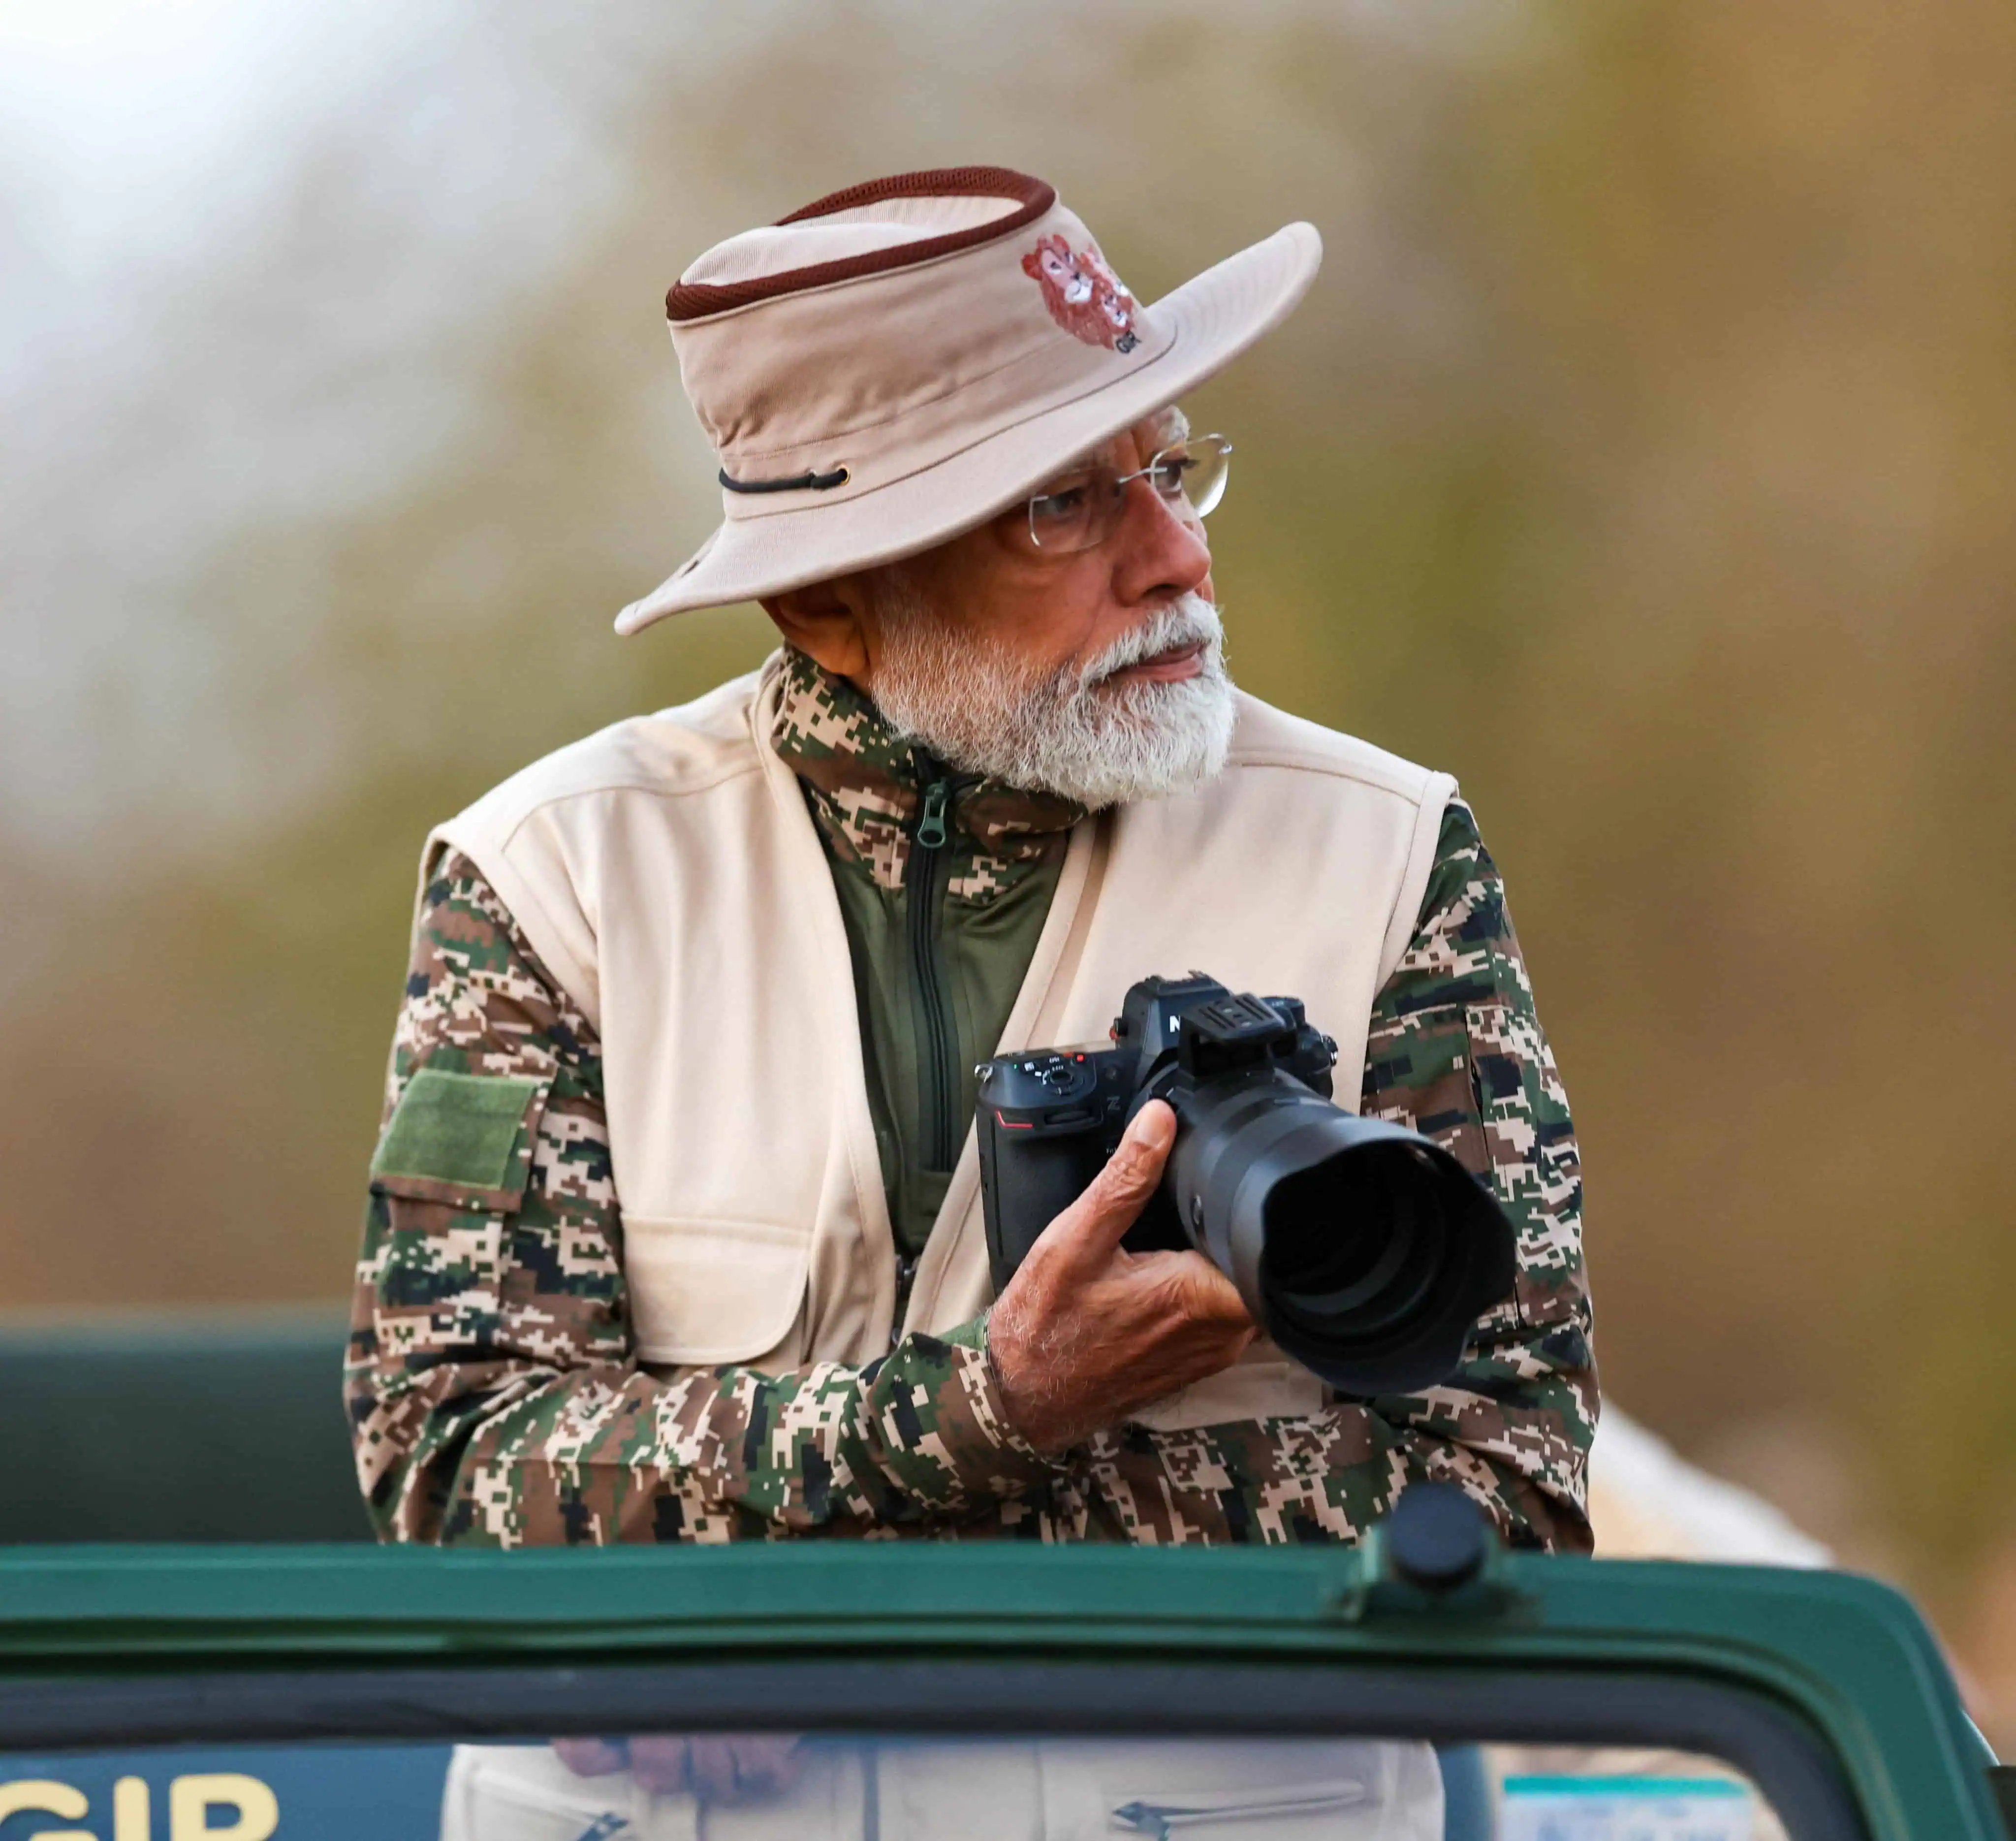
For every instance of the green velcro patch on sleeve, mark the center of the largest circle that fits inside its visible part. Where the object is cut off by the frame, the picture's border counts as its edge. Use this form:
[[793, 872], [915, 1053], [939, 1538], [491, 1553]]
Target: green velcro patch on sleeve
[[465, 1130]]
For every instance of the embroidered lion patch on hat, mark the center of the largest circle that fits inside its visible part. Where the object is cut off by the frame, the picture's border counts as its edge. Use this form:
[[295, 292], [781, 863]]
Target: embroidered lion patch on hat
[[1085, 296]]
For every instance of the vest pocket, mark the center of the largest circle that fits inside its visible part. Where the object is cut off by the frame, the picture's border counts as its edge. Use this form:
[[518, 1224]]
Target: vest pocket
[[1254, 1789], [709, 1293], [1165, 1817]]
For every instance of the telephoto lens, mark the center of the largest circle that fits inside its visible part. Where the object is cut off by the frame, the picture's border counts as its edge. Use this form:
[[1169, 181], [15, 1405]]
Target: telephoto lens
[[1364, 1250]]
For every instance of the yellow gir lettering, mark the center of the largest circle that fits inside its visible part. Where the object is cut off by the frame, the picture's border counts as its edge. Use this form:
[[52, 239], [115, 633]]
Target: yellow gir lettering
[[129, 1813], [190, 1800], [51, 1798]]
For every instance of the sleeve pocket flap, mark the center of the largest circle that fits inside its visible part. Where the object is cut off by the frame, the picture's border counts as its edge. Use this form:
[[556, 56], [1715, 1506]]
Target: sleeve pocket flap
[[461, 1139], [702, 1293]]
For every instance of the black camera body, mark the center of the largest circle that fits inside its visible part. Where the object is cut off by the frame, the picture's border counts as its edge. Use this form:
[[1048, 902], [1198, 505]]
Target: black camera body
[[1365, 1250], [1048, 1120]]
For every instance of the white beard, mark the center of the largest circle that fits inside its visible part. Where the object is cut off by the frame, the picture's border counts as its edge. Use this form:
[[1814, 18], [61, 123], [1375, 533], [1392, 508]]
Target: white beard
[[982, 709]]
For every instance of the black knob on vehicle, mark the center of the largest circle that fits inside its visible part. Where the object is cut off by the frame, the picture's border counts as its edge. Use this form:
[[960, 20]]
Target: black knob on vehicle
[[1437, 1538]]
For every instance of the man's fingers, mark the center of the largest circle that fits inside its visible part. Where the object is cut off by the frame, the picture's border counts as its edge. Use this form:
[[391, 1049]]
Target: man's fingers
[[1200, 1290], [716, 1767], [591, 1757], [658, 1762], [711, 1763], [1114, 1199], [765, 1764]]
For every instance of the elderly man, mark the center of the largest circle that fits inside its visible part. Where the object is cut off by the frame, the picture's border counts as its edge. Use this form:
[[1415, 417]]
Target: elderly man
[[675, 1230]]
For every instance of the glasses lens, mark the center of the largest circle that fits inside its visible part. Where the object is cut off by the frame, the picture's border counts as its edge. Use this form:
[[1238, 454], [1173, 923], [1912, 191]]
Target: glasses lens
[[1195, 471], [1080, 509], [1074, 511]]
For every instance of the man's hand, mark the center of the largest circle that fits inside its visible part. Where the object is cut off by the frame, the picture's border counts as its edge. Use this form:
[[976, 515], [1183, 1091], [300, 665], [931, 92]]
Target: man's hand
[[715, 1767], [1085, 1331]]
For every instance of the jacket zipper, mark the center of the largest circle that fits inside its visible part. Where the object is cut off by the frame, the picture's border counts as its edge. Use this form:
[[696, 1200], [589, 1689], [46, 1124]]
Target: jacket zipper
[[924, 884]]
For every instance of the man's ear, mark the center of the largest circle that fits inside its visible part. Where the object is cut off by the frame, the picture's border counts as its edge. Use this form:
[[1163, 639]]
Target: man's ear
[[825, 622]]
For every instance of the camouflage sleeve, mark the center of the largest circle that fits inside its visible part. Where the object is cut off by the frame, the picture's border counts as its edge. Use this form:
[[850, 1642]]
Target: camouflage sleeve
[[1455, 1051], [494, 1393]]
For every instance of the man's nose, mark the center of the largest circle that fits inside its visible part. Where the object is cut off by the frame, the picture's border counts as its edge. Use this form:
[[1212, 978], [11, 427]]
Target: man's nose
[[1159, 550]]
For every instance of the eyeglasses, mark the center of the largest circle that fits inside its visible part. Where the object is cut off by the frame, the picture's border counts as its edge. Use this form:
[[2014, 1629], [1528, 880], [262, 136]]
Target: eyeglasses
[[1080, 509]]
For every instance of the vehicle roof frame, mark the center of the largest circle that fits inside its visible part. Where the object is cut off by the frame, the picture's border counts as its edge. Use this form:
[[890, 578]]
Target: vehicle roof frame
[[1847, 1658]]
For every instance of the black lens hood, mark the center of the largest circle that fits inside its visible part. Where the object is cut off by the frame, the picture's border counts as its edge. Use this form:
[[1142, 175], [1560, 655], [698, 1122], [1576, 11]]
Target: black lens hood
[[1440, 1252]]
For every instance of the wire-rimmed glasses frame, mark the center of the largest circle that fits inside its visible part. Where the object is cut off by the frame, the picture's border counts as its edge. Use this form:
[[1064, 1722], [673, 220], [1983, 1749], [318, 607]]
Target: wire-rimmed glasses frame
[[1083, 507]]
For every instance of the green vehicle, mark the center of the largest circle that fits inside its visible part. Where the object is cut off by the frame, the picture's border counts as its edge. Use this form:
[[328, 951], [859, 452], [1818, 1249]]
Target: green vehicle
[[1427, 1687], [1409, 1688]]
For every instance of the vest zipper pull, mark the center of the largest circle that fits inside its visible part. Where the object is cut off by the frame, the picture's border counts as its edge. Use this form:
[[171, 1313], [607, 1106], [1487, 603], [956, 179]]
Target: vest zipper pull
[[932, 832]]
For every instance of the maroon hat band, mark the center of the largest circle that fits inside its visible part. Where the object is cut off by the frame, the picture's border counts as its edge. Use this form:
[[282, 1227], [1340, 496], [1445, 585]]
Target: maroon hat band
[[685, 301]]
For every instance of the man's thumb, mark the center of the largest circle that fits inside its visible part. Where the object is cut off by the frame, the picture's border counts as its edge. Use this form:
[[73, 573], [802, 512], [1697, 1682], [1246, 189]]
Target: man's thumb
[[1116, 1195]]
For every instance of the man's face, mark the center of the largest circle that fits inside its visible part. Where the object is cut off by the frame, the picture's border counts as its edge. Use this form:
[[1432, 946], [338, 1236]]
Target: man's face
[[1095, 671], [993, 589]]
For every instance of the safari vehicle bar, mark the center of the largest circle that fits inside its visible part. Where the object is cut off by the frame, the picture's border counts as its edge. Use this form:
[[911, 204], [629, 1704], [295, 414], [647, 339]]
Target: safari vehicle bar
[[1826, 1689]]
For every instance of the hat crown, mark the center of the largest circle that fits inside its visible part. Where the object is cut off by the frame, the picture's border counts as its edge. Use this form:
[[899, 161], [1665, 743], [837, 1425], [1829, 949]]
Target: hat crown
[[871, 332], [897, 223]]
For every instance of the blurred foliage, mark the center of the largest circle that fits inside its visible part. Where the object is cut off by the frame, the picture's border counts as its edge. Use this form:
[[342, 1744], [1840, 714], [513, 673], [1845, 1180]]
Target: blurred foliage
[[1642, 456]]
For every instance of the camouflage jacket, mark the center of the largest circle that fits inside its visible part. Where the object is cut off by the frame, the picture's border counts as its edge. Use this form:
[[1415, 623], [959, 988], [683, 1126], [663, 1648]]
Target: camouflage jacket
[[495, 1397]]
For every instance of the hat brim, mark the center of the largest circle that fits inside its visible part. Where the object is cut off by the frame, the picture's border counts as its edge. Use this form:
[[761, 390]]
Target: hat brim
[[1215, 317]]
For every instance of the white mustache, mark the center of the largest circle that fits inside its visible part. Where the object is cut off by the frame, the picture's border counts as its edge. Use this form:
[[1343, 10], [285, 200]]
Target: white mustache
[[1067, 731], [1190, 620]]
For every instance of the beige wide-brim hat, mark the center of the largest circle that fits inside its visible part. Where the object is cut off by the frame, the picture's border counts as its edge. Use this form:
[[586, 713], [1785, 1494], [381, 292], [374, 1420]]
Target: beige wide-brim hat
[[901, 361]]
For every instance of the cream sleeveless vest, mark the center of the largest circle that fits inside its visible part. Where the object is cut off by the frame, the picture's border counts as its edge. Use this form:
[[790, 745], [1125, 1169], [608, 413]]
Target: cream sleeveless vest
[[668, 873]]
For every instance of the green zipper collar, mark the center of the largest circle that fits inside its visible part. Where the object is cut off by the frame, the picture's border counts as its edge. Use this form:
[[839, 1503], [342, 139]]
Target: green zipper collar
[[868, 795]]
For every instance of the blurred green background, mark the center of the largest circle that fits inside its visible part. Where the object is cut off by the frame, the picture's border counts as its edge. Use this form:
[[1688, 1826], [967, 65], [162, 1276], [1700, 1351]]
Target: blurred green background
[[1644, 456]]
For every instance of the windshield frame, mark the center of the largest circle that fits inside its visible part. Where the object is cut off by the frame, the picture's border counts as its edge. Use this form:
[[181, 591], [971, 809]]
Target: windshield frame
[[1815, 1666]]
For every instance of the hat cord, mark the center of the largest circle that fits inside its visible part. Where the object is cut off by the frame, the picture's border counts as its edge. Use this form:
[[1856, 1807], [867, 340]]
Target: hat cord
[[800, 482]]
